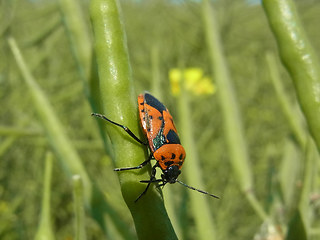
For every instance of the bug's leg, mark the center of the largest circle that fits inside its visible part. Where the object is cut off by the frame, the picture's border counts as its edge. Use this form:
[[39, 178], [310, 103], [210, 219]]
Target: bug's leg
[[137, 167], [152, 179], [163, 182], [119, 125]]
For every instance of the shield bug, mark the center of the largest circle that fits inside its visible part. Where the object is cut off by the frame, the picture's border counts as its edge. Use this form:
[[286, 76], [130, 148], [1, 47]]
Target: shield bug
[[163, 141]]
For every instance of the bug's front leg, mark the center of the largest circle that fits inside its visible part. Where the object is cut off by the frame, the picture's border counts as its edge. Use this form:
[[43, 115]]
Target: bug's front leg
[[152, 179]]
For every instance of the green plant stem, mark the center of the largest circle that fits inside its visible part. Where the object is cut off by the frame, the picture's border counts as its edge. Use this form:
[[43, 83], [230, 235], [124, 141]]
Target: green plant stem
[[289, 173], [54, 130], [157, 91], [231, 115], [299, 58], [311, 155], [6, 144], [65, 151], [78, 33], [78, 199], [199, 203], [81, 46], [119, 104], [45, 229], [290, 113], [8, 8], [19, 131], [156, 87]]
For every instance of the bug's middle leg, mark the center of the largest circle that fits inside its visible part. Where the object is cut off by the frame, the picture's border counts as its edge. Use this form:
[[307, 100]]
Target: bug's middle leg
[[137, 167], [122, 126]]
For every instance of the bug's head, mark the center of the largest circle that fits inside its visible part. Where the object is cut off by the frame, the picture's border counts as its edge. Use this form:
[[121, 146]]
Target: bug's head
[[171, 174]]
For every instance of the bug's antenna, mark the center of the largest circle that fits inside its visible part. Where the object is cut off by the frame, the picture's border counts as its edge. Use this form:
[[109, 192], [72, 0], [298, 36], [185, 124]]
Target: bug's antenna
[[198, 190]]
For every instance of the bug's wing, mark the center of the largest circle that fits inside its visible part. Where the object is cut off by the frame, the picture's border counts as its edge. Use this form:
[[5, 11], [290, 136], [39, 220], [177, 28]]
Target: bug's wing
[[156, 122]]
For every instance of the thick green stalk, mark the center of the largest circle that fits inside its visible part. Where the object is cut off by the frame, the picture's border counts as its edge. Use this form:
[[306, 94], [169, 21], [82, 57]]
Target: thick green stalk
[[231, 115], [298, 57], [62, 146], [80, 42], [119, 104], [200, 209], [81, 46], [45, 229]]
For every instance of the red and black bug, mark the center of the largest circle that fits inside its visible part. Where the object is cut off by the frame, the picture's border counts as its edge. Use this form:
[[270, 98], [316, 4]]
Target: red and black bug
[[163, 141]]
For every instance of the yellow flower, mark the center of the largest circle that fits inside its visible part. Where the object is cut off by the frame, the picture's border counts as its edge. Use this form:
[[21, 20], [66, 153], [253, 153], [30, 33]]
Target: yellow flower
[[205, 87], [175, 76], [192, 77], [193, 81]]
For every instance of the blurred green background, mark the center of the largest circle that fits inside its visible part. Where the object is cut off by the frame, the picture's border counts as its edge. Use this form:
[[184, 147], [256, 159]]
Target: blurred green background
[[161, 36]]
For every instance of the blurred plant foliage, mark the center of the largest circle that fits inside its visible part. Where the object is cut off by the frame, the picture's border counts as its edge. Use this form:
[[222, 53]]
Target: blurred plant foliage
[[280, 163]]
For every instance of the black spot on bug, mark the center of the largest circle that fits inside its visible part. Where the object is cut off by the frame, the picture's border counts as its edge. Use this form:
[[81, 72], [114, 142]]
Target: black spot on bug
[[151, 117], [168, 163], [173, 156], [153, 102], [142, 103], [163, 158], [142, 110], [160, 118], [172, 137], [180, 163], [181, 156]]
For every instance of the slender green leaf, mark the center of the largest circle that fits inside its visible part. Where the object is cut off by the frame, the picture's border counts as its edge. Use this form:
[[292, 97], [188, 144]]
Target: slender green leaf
[[296, 230]]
